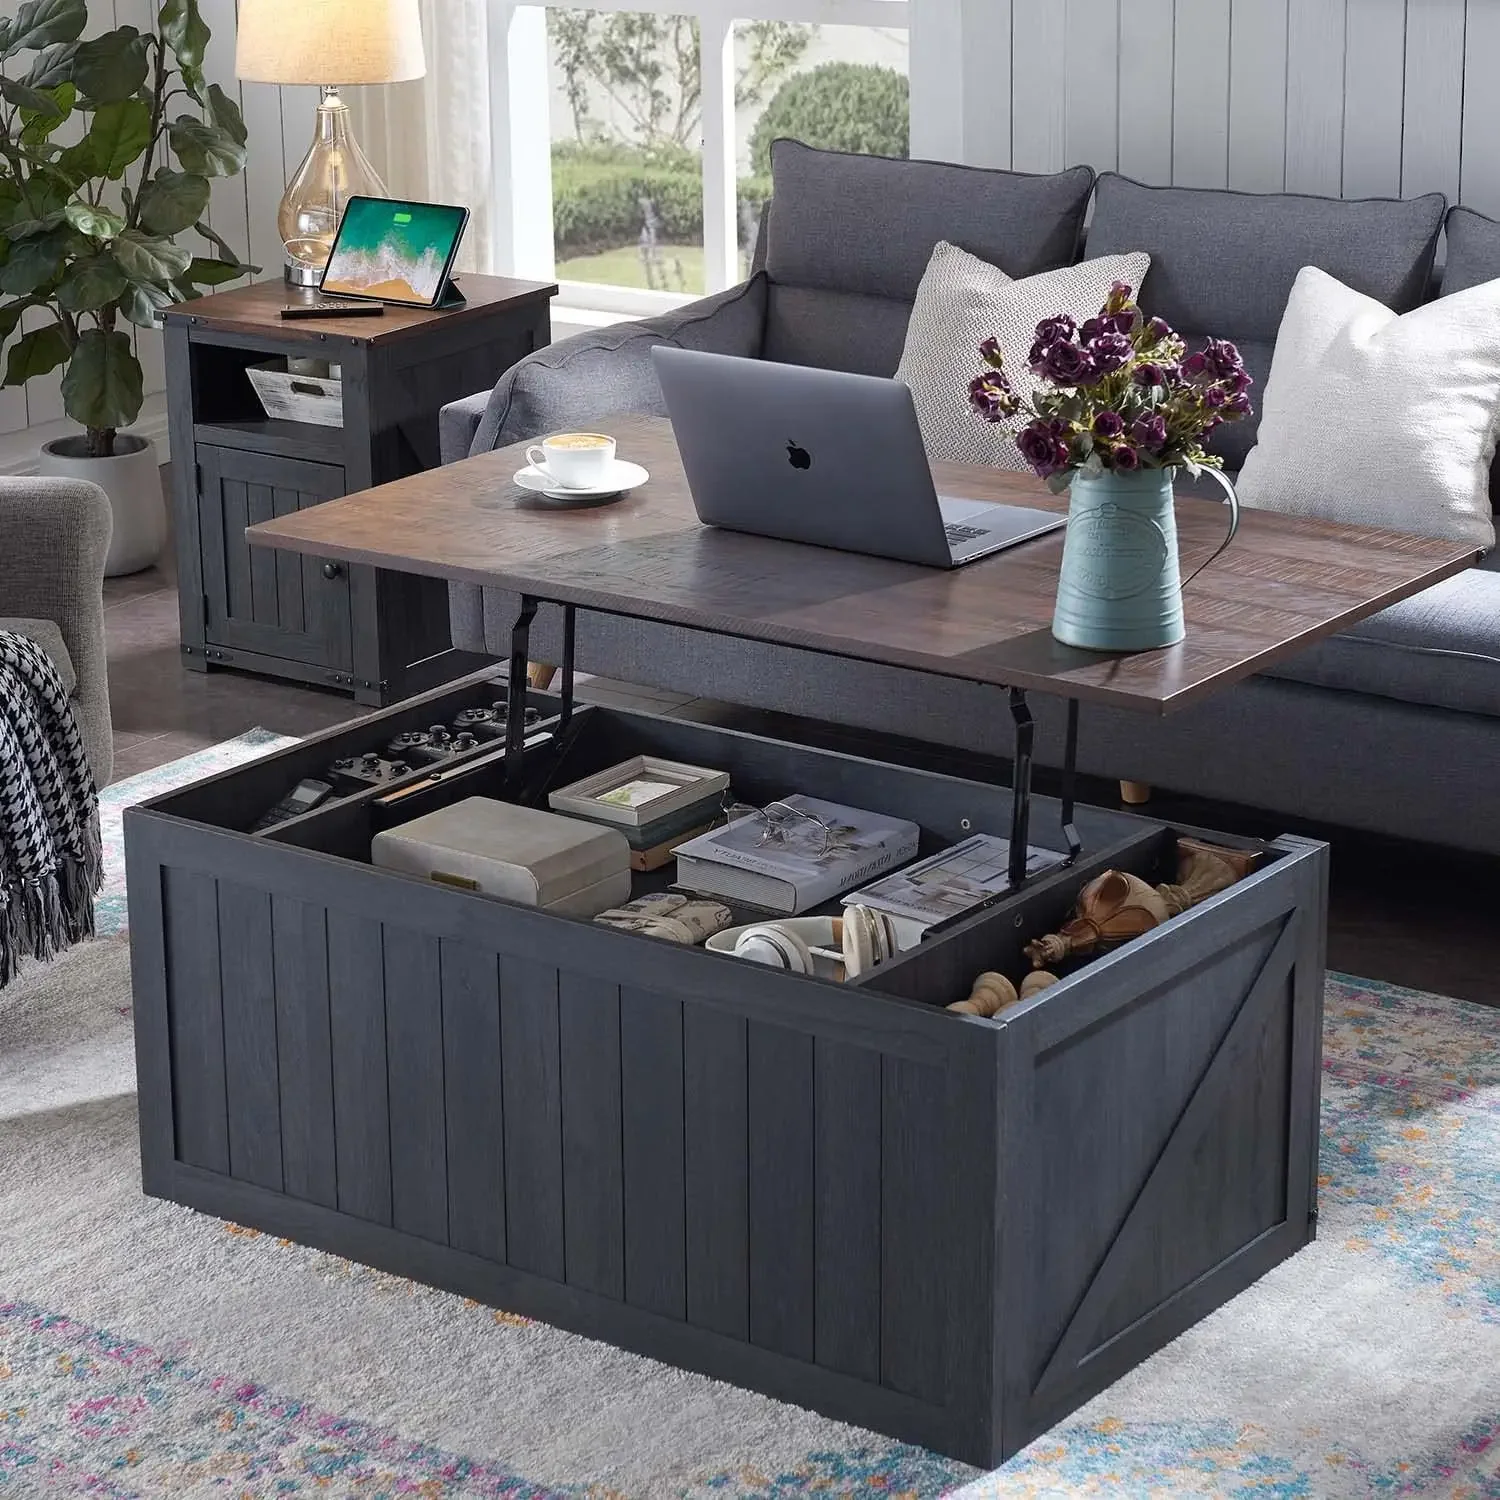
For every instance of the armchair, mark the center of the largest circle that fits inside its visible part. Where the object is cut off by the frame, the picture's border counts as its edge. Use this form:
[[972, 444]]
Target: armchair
[[54, 534]]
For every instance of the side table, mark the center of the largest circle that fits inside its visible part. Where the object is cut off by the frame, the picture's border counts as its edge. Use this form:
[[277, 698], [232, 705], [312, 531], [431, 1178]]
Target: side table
[[376, 634]]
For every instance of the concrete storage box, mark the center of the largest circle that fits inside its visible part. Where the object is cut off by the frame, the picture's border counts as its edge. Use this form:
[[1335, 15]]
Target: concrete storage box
[[949, 1229]]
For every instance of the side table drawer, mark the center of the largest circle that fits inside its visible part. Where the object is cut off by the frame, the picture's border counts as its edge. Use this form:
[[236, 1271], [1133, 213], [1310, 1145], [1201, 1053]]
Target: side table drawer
[[277, 604]]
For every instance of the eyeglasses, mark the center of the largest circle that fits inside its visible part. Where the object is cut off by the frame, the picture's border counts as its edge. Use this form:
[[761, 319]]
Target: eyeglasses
[[783, 825]]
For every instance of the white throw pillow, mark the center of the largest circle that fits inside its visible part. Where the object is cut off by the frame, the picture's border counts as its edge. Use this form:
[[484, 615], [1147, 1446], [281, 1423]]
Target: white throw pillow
[[1378, 419], [962, 301]]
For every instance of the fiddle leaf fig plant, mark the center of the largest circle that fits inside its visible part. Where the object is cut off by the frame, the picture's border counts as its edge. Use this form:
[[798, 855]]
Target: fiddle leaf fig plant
[[97, 182]]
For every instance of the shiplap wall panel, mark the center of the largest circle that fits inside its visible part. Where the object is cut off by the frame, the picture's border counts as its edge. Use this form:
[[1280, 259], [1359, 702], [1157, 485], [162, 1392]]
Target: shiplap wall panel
[[1039, 52], [1146, 48], [1315, 96], [1257, 95], [1374, 97], [1091, 83], [986, 32], [243, 209], [1479, 182], [1200, 93], [1433, 115]]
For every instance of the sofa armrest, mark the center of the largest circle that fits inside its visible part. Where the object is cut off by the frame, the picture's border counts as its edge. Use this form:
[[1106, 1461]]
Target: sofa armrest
[[581, 380], [54, 537], [458, 422]]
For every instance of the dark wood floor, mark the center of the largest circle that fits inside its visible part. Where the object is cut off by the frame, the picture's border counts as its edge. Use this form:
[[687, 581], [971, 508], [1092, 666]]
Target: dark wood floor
[[1407, 914]]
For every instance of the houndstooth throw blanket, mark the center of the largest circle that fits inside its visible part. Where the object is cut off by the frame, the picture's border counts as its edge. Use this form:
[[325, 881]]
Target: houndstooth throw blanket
[[50, 862]]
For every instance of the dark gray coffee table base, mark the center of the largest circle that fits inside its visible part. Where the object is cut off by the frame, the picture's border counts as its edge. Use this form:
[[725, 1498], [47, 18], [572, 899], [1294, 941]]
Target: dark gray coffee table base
[[949, 1230]]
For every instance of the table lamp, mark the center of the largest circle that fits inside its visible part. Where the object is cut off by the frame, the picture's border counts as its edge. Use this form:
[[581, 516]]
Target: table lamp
[[328, 43]]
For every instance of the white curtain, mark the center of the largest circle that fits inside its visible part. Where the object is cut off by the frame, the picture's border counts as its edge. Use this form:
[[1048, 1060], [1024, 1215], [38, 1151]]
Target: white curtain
[[430, 139]]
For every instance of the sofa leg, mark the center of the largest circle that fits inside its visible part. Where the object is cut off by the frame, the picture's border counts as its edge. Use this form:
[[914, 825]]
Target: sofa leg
[[1135, 793], [540, 674]]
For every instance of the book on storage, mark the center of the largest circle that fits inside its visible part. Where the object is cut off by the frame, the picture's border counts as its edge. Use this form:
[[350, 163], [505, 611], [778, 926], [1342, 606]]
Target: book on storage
[[947, 884], [794, 854]]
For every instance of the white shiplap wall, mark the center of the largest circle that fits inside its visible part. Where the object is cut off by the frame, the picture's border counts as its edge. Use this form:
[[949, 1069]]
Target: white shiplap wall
[[1350, 97], [243, 209]]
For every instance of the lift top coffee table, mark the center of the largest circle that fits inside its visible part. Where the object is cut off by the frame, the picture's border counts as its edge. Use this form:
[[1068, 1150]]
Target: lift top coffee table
[[948, 1228], [1285, 583]]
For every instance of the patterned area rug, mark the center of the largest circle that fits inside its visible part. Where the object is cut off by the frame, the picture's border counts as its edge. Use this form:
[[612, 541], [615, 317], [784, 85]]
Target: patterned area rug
[[109, 908], [146, 1351]]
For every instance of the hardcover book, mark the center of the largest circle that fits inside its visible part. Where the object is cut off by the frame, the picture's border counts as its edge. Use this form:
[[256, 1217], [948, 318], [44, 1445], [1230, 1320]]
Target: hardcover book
[[795, 854]]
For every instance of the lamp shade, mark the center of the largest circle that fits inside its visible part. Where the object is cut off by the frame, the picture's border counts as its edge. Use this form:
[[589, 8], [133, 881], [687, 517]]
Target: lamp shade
[[329, 41]]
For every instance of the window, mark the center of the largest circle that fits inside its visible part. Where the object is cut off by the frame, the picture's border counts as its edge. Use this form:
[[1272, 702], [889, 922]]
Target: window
[[660, 121]]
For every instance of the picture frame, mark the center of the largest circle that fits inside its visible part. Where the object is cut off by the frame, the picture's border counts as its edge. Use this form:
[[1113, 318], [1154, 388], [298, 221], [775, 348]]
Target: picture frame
[[640, 791]]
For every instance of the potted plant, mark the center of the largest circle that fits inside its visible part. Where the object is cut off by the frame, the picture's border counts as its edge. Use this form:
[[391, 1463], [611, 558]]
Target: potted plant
[[1120, 407], [96, 185]]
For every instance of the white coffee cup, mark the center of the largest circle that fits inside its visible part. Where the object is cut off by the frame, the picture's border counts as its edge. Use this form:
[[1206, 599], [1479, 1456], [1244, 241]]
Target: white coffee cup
[[576, 460]]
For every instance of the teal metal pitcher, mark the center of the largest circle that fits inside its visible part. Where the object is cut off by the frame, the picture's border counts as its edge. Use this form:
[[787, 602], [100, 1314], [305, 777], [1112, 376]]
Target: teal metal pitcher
[[1120, 588]]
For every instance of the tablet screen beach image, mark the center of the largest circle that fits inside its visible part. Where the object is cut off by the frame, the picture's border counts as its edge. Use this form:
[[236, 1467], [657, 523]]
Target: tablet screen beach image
[[394, 251]]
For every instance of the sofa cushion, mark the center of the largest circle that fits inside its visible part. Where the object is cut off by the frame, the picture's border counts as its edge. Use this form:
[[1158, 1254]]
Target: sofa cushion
[[1223, 262], [1440, 648], [841, 291], [48, 635], [1473, 250]]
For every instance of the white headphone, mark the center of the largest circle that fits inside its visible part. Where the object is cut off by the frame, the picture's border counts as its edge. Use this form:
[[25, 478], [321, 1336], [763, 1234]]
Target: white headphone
[[866, 938]]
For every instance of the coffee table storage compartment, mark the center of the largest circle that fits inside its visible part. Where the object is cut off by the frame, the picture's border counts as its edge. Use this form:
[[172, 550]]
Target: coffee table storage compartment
[[951, 1230]]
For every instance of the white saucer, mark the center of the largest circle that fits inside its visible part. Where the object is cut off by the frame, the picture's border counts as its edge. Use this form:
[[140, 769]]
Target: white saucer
[[621, 476]]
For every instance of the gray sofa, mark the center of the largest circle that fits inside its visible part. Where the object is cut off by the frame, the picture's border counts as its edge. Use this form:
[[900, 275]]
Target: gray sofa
[[54, 535], [1391, 727]]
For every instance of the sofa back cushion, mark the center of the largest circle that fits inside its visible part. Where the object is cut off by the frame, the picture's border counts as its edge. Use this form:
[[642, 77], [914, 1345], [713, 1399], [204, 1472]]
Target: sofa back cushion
[[1473, 250], [850, 236], [1223, 262]]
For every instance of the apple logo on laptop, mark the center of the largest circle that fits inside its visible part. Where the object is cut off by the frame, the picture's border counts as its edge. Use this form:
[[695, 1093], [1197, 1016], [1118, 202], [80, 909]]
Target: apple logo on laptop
[[798, 458]]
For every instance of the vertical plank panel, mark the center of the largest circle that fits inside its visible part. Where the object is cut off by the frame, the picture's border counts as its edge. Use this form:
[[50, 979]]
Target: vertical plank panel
[[1146, 44], [252, 1083], [532, 1098], [716, 1169], [228, 205], [265, 179], [1315, 96], [195, 1006], [290, 602], [356, 1023], [986, 101], [1038, 107], [299, 936], [236, 517], [1200, 95], [1431, 139], [913, 1116], [1091, 83], [846, 1094], [1374, 89], [651, 1120], [588, 1013], [471, 1087], [414, 1067], [781, 1190], [1257, 95], [1479, 168], [264, 592]]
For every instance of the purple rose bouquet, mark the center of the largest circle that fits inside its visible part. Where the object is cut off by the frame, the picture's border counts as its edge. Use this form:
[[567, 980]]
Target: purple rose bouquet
[[1124, 394]]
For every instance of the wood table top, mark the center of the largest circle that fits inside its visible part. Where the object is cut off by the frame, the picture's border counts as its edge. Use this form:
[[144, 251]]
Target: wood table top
[[1286, 581], [256, 309]]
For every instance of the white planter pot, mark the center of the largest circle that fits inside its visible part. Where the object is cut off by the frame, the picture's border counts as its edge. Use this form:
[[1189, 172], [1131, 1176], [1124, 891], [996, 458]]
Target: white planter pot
[[132, 480]]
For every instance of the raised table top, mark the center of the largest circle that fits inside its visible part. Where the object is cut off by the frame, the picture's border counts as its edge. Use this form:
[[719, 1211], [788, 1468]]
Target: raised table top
[[256, 310], [1286, 582]]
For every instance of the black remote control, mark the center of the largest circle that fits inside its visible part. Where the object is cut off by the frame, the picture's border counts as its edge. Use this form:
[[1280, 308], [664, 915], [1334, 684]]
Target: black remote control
[[333, 310]]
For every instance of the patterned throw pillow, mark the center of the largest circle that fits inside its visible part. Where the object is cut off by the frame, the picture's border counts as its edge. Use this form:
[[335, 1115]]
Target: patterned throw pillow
[[1371, 418], [961, 301]]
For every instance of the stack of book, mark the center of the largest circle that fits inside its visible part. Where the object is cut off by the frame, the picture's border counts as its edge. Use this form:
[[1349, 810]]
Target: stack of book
[[656, 804], [794, 855]]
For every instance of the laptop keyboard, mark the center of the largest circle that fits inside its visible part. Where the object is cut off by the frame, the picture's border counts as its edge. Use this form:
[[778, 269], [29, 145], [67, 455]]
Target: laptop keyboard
[[956, 533]]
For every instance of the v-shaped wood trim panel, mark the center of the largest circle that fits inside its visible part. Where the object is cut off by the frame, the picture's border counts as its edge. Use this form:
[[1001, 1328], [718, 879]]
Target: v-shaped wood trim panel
[[1239, 1040]]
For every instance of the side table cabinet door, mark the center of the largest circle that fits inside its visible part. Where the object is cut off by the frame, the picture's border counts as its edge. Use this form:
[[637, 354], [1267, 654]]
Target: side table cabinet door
[[277, 604]]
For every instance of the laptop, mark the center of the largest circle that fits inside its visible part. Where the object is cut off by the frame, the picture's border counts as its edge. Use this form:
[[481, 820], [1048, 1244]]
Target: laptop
[[819, 456]]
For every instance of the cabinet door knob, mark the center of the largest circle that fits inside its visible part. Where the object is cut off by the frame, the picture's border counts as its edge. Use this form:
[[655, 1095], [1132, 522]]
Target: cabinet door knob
[[332, 570]]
